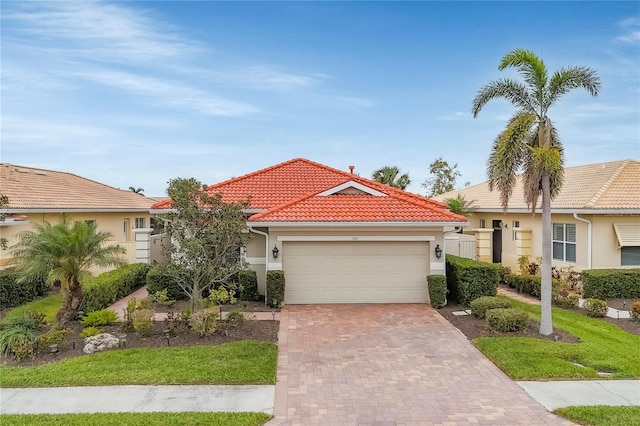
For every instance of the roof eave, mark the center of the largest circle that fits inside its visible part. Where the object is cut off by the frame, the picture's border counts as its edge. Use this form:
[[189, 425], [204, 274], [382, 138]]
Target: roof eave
[[75, 210], [561, 211], [357, 224]]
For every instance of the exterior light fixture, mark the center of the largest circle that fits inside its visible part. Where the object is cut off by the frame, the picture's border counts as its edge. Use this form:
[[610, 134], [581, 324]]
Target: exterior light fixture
[[275, 252], [438, 251]]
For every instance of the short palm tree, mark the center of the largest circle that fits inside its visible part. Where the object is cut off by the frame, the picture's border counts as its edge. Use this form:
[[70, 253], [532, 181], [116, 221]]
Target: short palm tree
[[391, 176], [64, 252], [461, 205], [530, 143]]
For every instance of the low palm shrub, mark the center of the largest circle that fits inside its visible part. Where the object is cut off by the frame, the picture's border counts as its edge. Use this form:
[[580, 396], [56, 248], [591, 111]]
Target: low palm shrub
[[100, 318]]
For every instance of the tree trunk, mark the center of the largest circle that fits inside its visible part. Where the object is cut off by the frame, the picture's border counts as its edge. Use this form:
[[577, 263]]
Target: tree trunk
[[196, 297], [546, 324], [71, 298]]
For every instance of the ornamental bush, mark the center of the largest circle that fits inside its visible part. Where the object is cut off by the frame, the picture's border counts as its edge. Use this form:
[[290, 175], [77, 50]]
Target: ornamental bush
[[109, 287], [481, 305], [13, 293], [531, 284], [100, 318], [507, 319], [248, 285], [611, 283], [635, 311], [437, 285], [596, 308], [143, 321], [469, 279], [275, 288], [203, 321]]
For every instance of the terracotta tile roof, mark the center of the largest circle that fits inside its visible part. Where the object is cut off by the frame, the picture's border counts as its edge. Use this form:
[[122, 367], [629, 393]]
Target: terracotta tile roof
[[356, 208], [34, 189], [291, 180], [601, 186]]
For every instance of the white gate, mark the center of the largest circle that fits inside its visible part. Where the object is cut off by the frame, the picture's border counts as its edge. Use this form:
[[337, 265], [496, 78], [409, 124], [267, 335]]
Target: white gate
[[461, 245]]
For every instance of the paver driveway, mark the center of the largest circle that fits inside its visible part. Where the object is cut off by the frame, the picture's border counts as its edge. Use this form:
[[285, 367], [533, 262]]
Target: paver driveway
[[389, 365]]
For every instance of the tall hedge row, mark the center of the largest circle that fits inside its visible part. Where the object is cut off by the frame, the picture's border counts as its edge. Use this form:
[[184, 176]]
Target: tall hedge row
[[163, 278], [530, 284], [13, 293], [469, 279], [107, 288], [611, 283]]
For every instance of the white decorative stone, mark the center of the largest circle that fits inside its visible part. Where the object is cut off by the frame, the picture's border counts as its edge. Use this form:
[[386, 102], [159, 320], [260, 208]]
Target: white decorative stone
[[99, 343]]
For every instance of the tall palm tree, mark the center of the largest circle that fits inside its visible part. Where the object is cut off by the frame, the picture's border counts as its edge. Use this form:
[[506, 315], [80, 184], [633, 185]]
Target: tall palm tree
[[389, 176], [461, 205], [64, 252], [530, 143]]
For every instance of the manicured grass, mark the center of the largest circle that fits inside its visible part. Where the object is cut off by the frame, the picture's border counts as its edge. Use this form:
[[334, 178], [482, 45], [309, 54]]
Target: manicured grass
[[601, 415], [148, 419], [604, 347], [49, 305], [242, 362]]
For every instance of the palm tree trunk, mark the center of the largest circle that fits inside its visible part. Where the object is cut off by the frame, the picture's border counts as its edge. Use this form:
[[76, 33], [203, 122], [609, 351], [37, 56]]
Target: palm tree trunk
[[546, 324], [71, 298]]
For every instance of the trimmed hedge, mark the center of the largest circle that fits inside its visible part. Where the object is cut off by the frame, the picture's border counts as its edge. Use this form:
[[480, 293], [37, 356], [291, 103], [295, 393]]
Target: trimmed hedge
[[248, 285], [481, 305], [611, 283], [13, 293], [437, 286], [531, 284], [108, 287], [469, 279], [596, 308], [275, 288], [163, 278], [507, 319]]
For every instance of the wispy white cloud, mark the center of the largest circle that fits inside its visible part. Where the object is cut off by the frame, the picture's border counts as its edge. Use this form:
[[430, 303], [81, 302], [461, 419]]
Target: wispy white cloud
[[631, 28], [169, 94], [454, 116]]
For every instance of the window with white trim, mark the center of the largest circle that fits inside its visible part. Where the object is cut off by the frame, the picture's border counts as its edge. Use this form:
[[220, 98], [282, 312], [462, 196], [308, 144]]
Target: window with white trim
[[90, 222], [564, 242], [139, 222], [630, 256]]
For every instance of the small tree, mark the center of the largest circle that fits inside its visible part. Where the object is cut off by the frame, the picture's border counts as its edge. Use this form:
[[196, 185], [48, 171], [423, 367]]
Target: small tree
[[443, 177], [206, 235]]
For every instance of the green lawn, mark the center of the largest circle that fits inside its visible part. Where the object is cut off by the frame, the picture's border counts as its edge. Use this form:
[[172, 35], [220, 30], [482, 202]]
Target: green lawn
[[242, 362], [49, 305], [601, 415], [604, 347], [148, 419]]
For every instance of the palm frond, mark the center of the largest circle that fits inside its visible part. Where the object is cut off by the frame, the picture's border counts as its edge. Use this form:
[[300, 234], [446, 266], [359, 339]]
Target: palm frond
[[566, 79], [511, 90], [530, 66]]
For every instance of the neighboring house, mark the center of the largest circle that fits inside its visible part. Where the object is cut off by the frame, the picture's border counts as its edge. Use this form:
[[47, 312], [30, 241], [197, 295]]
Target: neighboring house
[[595, 219], [37, 195], [338, 237]]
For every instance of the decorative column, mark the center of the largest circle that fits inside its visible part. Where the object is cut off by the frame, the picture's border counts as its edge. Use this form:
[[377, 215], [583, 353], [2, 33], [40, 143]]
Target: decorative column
[[142, 237]]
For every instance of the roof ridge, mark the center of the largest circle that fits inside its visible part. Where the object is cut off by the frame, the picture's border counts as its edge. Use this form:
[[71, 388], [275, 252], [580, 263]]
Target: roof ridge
[[594, 200]]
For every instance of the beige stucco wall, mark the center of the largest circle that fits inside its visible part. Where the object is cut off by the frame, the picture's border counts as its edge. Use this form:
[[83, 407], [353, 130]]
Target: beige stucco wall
[[113, 223], [606, 253]]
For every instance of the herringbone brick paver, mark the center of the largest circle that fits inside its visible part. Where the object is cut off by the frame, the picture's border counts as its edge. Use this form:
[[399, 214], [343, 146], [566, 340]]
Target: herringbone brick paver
[[390, 365]]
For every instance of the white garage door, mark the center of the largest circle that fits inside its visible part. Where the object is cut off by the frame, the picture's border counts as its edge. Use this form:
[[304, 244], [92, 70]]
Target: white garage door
[[355, 271]]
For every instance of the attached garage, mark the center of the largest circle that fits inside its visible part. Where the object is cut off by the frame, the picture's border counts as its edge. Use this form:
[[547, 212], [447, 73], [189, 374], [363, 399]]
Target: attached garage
[[356, 271]]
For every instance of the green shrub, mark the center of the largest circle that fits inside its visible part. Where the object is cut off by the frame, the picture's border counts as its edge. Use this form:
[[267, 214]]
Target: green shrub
[[248, 285], [100, 318], [566, 301], [127, 324], [161, 298], [275, 288], [437, 286], [468, 279], [105, 289], [481, 305], [186, 314], [18, 340], [507, 319], [222, 296], [611, 283], [143, 321], [596, 308], [235, 318], [90, 331], [635, 311], [531, 284], [30, 319], [203, 321], [164, 278], [13, 293], [54, 337]]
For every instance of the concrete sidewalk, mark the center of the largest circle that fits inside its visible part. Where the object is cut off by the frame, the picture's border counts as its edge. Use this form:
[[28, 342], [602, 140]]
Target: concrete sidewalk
[[559, 394], [137, 399]]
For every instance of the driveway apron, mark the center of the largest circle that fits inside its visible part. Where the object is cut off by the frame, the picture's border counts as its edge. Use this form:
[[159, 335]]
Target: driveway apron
[[390, 365]]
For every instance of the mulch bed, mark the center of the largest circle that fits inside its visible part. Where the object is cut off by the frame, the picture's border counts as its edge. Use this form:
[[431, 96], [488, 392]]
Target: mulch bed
[[251, 330], [242, 305], [473, 327]]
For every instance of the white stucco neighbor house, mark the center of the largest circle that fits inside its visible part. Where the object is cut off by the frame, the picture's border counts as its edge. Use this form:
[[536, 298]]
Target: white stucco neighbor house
[[339, 238]]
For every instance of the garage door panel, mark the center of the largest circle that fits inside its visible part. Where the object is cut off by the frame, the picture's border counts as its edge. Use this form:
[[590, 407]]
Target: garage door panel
[[355, 272]]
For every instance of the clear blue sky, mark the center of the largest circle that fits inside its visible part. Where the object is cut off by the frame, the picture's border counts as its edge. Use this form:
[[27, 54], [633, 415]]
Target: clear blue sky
[[137, 93]]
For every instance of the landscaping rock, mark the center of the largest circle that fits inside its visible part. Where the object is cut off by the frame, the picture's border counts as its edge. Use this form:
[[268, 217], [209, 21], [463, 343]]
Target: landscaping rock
[[100, 343]]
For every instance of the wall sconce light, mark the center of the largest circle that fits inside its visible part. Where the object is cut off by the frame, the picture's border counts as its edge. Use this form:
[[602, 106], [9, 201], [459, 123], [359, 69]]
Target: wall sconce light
[[275, 252], [438, 251]]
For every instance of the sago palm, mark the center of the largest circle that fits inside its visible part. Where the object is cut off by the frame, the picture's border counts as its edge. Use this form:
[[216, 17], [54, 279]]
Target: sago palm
[[530, 145], [389, 176], [64, 252]]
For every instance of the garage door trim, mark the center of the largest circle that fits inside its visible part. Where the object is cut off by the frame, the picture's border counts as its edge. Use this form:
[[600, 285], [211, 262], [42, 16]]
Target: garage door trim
[[356, 238]]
